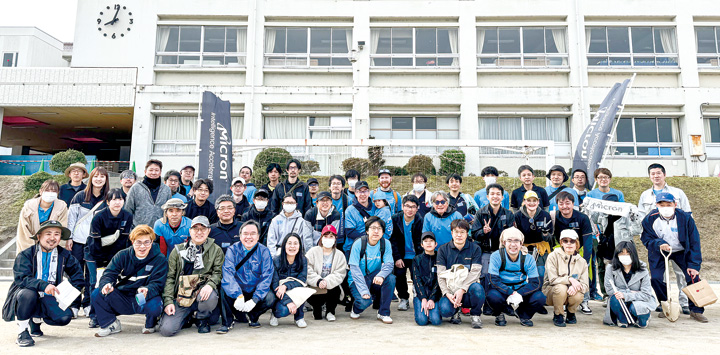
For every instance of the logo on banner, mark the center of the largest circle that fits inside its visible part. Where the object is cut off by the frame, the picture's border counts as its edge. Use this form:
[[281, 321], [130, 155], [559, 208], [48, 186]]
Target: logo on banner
[[607, 207]]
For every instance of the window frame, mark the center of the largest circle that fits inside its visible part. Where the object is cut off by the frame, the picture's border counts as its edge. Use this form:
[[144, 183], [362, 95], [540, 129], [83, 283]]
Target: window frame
[[14, 59], [328, 128], [234, 115], [201, 54], [525, 141], [710, 56], [614, 144], [414, 55], [522, 53], [309, 55], [399, 151], [631, 54]]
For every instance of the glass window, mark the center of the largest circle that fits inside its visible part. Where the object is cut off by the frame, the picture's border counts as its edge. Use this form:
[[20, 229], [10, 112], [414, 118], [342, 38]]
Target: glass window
[[421, 127], [631, 46], [524, 128], [708, 46], [288, 46], [645, 136], [9, 59], [201, 45], [521, 47], [712, 130], [419, 47]]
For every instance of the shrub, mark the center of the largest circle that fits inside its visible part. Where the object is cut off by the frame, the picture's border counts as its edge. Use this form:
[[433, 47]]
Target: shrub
[[420, 164], [262, 160], [359, 164], [62, 160], [396, 170], [452, 161], [34, 181], [503, 173], [540, 173], [375, 157], [310, 166]]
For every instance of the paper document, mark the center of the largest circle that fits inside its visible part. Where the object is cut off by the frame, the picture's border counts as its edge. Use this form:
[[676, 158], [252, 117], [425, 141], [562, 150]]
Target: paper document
[[67, 295], [99, 274]]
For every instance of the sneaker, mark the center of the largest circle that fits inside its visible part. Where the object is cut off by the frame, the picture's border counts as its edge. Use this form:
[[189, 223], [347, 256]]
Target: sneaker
[[486, 311], [395, 298], [224, 329], [253, 323], [148, 330], [35, 329], [637, 325], [24, 339], [571, 319], [273, 321], [596, 297], [455, 319], [384, 319], [542, 310], [526, 322], [75, 312], [113, 328], [622, 325], [330, 317], [500, 320], [585, 309], [203, 327], [559, 320], [476, 322], [662, 314], [354, 315], [301, 323], [403, 305], [686, 310], [86, 311], [698, 317], [93, 323]]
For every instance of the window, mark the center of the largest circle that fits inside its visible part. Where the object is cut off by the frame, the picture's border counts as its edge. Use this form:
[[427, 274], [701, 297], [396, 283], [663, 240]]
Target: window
[[10, 59], [203, 46], [421, 127], [307, 46], [712, 130], [646, 136], [708, 46], [631, 46], [522, 47], [178, 134], [523, 129], [414, 47]]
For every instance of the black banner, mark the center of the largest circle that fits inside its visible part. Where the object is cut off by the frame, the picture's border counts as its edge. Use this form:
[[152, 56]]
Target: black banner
[[215, 155]]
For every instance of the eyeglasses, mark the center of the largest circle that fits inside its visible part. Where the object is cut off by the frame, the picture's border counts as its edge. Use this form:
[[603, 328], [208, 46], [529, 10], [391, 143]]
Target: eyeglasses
[[146, 243], [440, 202], [603, 177], [412, 207], [513, 241], [199, 228], [362, 192], [252, 234], [375, 228], [567, 241], [293, 168], [228, 208], [532, 224]]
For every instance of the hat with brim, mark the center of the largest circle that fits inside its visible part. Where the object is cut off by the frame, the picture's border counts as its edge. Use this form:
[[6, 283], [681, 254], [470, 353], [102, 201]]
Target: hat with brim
[[312, 181], [427, 235], [384, 171], [664, 197], [324, 194], [80, 166], [236, 180], [202, 220], [174, 203], [560, 169], [65, 233], [530, 194], [261, 193], [329, 229]]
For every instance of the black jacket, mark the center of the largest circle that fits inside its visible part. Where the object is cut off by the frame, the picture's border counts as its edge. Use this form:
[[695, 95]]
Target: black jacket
[[25, 270], [489, 242], [397, 238], [207, 209], [425, 277], [241, 207], [104, 224], [67, 192], [301, 193], [262, 218], [150, 272], [225, 235]]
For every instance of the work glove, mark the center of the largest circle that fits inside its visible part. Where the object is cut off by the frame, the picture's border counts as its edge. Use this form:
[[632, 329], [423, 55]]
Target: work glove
[[249, 305], [239, 303]]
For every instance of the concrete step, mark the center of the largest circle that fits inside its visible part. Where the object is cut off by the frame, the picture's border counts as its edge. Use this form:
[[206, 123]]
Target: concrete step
[[6, 272], [7, 263]]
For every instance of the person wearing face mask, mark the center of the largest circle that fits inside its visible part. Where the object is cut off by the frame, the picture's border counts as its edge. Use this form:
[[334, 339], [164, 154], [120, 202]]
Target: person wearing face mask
[[537, 227], [43, 207], [423, 195], [490, 175], [628, 281], [145, 199], [199, 255], [290, 220], [76, 172], [669, 229], [199, 205], [386, 192], [260, 213], [405, 240], [36, 273], [172, 180], [326, 271], [324, 214], [242, 205], [246, 174], [527, 177], [174, 227], [440, 217], [514, 281], [558, 177], [352, 177], [109, 234], [293, 186], [291, 270], [566, 279], [463, 203]]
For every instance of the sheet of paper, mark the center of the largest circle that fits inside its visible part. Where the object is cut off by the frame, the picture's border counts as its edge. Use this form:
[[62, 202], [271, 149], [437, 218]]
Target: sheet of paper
[[100, 272], [67, 295]]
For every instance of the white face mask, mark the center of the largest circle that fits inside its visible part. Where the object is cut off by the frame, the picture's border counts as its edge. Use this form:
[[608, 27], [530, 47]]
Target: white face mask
[[418, 187], [625, 259], [289, 207], [666, 212], [48, 196], [328, 242], [489, 180], [260, 205], [352, 183]]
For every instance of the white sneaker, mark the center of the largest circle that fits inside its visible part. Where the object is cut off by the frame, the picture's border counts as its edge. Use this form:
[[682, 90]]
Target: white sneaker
[[37, 320], [330, 317], [75, 312], [384, 319], [273, 321], [148, 330], [113, 328], [403, 305], [354, 315], [86, 312], [301, 323]]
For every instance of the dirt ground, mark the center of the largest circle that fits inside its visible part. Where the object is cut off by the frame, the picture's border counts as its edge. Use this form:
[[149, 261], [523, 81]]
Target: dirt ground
[[369, 336]]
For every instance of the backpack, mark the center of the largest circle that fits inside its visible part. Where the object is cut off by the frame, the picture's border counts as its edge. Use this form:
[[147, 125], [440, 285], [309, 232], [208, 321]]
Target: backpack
[[522, 266], [364, 241]]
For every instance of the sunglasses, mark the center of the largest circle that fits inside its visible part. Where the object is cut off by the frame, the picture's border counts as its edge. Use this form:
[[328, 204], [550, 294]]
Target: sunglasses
[[441, 202]]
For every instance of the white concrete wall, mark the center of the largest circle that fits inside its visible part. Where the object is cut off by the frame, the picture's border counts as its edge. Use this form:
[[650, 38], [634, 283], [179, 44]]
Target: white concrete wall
[[35, 48]]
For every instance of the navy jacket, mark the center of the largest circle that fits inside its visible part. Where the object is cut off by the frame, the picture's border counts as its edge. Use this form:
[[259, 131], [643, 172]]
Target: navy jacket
[[262, 218], [25, 270], [687, 234], [518, 195], [425, 278], [225, 235], [67, 192], [241, 207], [297, 270], [150, 272], [207, 209], [489, 242], [301, 193], [397, 238], [104, 224]]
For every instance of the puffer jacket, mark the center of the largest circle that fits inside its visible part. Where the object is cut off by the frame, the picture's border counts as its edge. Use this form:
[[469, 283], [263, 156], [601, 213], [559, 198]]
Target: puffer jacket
[[80, 227], [29, 222], [140, 203], [282, 226], [213, 259], [559, 267]]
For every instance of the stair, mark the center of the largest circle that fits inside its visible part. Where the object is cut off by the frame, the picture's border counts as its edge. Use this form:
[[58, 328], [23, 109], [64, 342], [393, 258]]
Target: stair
[[7, 260]]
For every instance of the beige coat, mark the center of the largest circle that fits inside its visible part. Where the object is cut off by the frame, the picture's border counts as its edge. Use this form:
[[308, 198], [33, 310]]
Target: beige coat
[[314, 270], [29, 222], [559, 267]]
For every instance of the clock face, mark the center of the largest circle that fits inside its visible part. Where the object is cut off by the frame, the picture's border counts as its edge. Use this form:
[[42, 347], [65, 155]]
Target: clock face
[[114, 21]]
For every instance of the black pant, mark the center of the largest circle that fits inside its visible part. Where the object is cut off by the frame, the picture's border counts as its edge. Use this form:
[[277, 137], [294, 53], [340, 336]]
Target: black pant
[[330, 299], [29, 305], [401, 284], [78, 251]]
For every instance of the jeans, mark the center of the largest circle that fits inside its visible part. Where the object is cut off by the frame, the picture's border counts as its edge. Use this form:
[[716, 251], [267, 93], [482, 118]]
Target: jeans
[[618, 315], [657, 272], [260, 308], [108, 307], [330, 299], [384, 292], [474, 299], [401, 279], [530, 305], [171, 324], [433, 316], [90, 281], [30, 304]]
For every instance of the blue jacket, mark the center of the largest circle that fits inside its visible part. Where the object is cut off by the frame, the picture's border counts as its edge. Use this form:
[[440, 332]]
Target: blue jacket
[[482, 200], [254, 277], [173, 237], [687, 234], [150, 272], [440, 226], [355, 222], [297, 270], [250, 192]]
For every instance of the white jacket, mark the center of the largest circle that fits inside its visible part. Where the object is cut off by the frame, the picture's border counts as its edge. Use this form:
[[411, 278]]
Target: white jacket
[[280, 226], [647, 199]]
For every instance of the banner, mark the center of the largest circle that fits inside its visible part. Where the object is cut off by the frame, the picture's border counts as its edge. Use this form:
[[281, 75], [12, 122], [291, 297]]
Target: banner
[[591, 147], [608, 207], [215, 153]]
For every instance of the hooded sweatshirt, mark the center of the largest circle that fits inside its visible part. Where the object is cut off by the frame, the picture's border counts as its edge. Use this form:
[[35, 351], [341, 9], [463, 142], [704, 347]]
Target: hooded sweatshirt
[[282, 225], [263, 218], [440, 225]]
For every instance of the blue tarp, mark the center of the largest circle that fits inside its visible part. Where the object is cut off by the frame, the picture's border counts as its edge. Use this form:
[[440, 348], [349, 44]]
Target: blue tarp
[[13, 164]]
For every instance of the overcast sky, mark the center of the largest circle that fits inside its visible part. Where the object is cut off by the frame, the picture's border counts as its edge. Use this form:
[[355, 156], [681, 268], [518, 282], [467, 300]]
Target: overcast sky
[[55, 17]]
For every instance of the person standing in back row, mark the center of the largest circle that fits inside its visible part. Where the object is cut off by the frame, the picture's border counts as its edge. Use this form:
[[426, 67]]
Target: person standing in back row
[[527, 176], [76, 172], [199, 205], [292, 186], [145, 199], [386, 192]]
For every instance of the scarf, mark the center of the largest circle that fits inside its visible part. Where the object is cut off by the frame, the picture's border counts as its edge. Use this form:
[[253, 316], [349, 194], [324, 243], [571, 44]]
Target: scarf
[[51, 276], [193, 254], [151, 183]]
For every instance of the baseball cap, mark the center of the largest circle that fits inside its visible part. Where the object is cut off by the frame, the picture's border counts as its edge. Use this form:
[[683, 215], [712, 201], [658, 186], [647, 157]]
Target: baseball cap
[[428, 234], [322, 194], [383, 171], [530, 194], [236, 180], [569, 234], [262, 192], [664, 196], [312, 181], [200, 220], [361, 184], [188, 166], [329, 228]]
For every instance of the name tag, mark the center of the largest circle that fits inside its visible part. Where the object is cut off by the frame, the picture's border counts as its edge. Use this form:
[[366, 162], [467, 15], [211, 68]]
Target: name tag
[[298, 194], [574, 225], [225, 245], [674, 229], [461, 204], [148, 268], [503, 217], [540, 224], [434, 269]]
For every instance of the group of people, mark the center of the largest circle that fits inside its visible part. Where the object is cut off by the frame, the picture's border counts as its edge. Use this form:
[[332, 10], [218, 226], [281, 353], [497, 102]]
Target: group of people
[[159, 247]]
